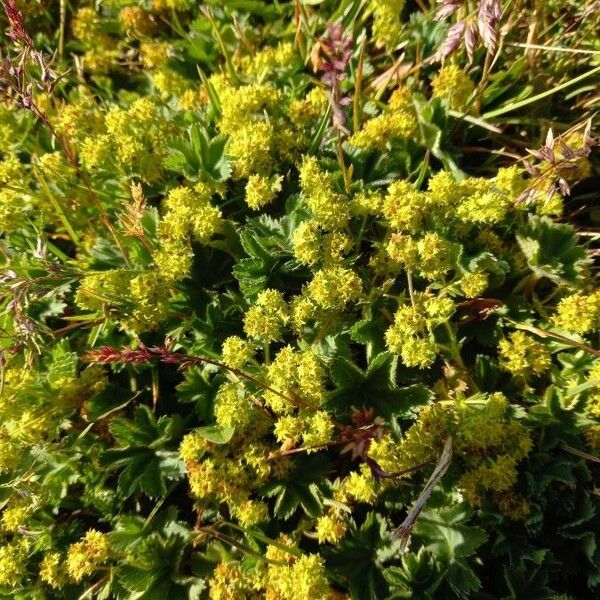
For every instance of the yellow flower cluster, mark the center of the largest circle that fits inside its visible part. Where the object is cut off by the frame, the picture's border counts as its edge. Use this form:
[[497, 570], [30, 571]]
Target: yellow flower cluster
[[386, 23], [15, 517], [296, 375], [579, 313], [261, 190], [251, 148], [360, 485], [304, 579], [249, 114], [312, 245], [13, 206], [490, 444], [87, 25], [475, 199], [11, 170], [315, 429], [264, 63], [137, 21], [189, 212], [473, 284], [332, 288], [452, 84], [521, 355], [398, 123], [236, 352], [154, 53], [367, 202], [379, 131], [404, 207], [329, 208], [493, 446], [267, 317], [149, 293], [330, 529], [232, 408], [319, 429], [132, 140], [53, 570], [410, 334], [142, 299], [229, 474], [193, 446], [593, 403], [102, 289], [86, 556], [13, 562], [250, 513], [305, 112], [230, 581]]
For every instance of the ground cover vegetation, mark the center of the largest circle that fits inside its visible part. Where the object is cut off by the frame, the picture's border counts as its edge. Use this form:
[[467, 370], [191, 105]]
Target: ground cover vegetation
[[299, 299]]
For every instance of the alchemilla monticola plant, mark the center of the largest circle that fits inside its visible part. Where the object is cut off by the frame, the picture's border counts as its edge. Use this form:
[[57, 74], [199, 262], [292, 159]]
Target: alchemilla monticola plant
[[299, 300]]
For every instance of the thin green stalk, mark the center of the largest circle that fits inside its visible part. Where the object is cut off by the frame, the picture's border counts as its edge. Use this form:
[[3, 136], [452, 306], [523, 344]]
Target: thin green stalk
[[357, 103], [56, 204], [515, 105]]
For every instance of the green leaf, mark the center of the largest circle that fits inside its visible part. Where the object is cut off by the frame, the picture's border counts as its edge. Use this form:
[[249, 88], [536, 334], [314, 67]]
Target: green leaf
[[361, 555], [445, 533], [199, 157], [63, 364], [374, 389], [552, 250], [300, 488], [216, 433], [199, 387]]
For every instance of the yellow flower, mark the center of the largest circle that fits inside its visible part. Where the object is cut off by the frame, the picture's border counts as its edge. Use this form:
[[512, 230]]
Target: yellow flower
[[330, 529], [379, 131], [261, 190], [85, 556], [193, 446], [15, 517], [251, 513], [236, 352], [190, 212], [266, 61], [229, 582], [13, 562], [473, 284], [11, 170], [267, 317], [579, 313], [454, 85], [522, 355], [333, 288], [436, 255], [288, 428], [386, 24], [173, 259], [403, 206], [319, 429], [361, 485], [329, 208], [232, 409], [10, 454], [52, 570], [304, 580], [149, 294], [251, 149]]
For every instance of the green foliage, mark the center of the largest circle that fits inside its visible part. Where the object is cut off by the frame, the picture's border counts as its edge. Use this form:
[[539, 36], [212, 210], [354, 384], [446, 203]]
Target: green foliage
[[552, 251], [299, 300]]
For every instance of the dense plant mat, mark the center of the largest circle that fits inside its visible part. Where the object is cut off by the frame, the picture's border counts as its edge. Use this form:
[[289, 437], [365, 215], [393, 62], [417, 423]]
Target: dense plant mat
[[298, 300]]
